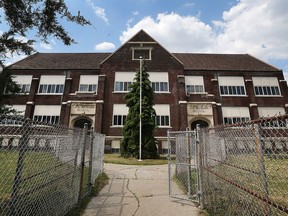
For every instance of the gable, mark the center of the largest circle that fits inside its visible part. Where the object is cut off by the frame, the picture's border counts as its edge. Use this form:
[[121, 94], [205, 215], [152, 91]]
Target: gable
[[159, 58]]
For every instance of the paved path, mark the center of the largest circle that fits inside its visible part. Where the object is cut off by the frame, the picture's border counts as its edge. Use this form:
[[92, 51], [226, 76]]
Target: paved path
[[139, 191]]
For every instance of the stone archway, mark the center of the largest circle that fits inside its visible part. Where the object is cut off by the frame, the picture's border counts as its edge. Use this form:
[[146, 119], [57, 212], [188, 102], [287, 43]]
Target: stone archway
[[79, 123], [201, 123]]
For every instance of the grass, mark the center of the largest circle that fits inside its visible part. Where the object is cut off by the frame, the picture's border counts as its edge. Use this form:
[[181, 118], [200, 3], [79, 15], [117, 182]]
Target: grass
[[275, 172], [35, 162], [117, 159], [99, 183], [44, 167]]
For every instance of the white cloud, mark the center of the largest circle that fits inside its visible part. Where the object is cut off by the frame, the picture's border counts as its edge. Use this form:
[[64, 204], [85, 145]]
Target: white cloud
[[177, 33], [53, 41], [135, 13], [258, 27], [104, 46], [45, 46], [189, 5], [100, 12]]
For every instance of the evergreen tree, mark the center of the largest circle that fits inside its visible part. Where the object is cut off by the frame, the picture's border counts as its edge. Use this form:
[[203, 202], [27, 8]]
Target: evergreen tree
[[130, 132], [8, 88]]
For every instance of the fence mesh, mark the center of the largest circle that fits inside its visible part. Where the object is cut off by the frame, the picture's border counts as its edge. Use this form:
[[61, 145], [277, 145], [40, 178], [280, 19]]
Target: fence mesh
[[45, 169], [244, 168], [183, 175]]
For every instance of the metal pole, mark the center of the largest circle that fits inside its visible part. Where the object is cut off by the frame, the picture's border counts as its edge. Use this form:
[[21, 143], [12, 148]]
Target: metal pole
[[90, 183], [199, 156], [82, 161], [188, 142], [262, 166], [169, 161], [23, 144], [140, 119]]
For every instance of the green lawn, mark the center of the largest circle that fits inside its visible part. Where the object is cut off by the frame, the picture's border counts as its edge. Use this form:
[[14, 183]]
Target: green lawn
[[44, 177], [276, 175]]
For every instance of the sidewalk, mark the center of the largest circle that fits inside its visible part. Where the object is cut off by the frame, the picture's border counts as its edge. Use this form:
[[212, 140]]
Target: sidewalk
[[139, 191]]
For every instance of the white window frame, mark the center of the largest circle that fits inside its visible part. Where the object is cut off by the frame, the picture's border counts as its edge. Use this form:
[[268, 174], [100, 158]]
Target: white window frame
[[162, 115], [232, 86], [270, 111], [15, 119], [234, 115], [122, 81], [120, 112], [148, 49], [88, 83], [47, 114], [159, 81], [195, 84], [266, 112], [24, 82], [265, 86], [50, 84]]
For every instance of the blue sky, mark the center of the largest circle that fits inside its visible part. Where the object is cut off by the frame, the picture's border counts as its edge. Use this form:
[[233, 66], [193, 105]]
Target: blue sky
[[257, 27]]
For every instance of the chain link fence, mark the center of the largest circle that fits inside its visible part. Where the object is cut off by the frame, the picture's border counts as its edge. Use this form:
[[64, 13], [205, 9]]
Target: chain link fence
[[46, 169], [245, 168], [182, 158]]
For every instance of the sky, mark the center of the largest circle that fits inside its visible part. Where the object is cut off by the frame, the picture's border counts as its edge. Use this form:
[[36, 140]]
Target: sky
[[257, 27]]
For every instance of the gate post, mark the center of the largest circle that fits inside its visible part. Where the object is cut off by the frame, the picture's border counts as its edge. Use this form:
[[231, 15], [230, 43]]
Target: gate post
[[199, 154], [188, 141], [169, 162], [83, 161]]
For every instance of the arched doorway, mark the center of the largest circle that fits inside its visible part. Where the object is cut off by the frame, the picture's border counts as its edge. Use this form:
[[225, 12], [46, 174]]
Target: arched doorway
[[79, 123], [201, 123]]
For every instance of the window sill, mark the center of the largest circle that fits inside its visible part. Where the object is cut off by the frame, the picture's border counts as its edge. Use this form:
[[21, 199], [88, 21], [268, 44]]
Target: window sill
[[164, 92], [117, 92], [269, 96], [86, 92], [49, 94], [234, 95], [200, 93], [117, 126]]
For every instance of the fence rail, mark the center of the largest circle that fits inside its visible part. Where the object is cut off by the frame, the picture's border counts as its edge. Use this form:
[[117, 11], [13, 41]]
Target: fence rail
[[46, 169], [245, 167]]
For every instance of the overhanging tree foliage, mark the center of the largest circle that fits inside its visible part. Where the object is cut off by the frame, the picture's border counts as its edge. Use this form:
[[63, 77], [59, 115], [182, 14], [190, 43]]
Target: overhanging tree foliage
[[130, 132], [8, 88], [27, 16]]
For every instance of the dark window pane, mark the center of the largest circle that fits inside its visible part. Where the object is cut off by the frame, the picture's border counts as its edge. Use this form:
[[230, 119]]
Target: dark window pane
[[265, 90], [57, 119], [268, 90], [277, 92], [222, 90], [229, 89], [142, 54], [242, 90], [234, 90]]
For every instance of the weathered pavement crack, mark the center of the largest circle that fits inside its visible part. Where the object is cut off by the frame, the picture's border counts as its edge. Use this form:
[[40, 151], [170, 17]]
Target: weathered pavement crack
[[135, 195]]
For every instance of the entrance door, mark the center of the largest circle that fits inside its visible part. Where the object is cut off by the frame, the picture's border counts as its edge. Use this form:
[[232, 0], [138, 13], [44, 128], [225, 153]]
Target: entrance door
[[201, 123], [80, 123]]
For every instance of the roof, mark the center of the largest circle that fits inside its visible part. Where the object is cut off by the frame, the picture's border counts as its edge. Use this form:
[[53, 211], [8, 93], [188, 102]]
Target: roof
[[61, 61], [220, 62], [191, 61]]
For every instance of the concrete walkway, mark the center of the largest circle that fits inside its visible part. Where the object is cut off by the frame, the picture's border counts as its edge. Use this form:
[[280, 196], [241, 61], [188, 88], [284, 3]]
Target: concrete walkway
[[139, 191]]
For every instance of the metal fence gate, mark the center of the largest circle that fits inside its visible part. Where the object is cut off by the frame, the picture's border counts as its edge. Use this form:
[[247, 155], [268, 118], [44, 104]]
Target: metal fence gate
[[183, 157]]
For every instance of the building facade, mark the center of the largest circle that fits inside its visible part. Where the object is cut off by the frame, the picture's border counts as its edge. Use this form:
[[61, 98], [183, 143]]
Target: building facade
[[190, 89]]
